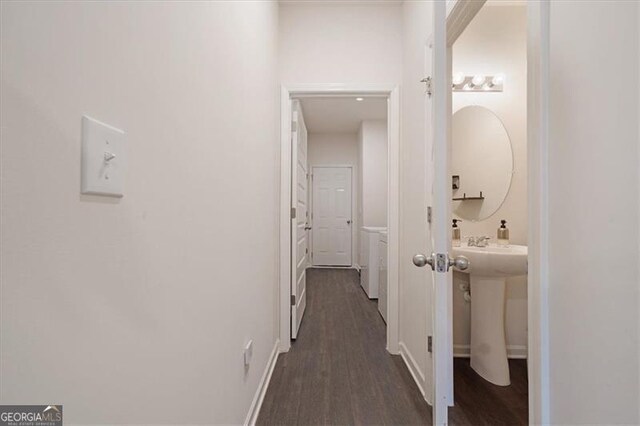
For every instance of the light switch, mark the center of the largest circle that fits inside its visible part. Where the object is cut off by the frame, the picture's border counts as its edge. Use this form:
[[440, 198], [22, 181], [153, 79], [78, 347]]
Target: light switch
[[103, 158], [248, 353]]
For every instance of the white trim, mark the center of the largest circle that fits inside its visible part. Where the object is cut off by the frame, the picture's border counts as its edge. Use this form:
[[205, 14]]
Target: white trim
[[412, 365], [513, 351], [441, 312], [258, 398], [538, 49], [393, 222], [285, 232], [392, 92], [459, 17]]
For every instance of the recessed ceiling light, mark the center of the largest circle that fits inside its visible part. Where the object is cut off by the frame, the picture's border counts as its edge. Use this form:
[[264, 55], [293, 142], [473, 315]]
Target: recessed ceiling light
[[359, 99]]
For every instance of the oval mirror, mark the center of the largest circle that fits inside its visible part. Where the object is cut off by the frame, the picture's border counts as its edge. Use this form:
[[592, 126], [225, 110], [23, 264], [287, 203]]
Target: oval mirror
[[481, 163]]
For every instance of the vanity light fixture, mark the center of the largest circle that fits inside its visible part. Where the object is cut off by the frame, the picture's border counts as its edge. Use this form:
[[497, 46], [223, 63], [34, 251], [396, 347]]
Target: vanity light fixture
[[458, 78], [477, 83], [477, 80], [497, 80]]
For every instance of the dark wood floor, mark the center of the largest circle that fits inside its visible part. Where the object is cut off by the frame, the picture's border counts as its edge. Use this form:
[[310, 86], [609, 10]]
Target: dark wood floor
[[339, 372], [478, 402]]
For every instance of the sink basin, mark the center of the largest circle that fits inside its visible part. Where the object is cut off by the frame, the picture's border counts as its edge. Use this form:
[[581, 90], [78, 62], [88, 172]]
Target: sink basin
[[489, 268], [494, 261]]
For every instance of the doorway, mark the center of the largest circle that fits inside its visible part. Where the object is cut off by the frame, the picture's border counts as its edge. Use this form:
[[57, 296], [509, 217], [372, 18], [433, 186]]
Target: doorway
[[331, 186], [448, 26]]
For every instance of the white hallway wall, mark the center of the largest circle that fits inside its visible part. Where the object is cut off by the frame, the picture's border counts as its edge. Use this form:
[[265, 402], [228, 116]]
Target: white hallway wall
[[496, 42], [136, 310], [339, 149], [415, 283], [593, 205], [363, 46], [372, 151]]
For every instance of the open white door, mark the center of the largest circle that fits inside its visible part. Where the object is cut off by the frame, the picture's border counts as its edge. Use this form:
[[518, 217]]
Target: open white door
[[438, 181], [299, 217]]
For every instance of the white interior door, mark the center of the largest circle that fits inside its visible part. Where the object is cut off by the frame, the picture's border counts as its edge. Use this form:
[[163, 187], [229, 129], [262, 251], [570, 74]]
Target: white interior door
[[331, 218], [299, 217], [438, 183]]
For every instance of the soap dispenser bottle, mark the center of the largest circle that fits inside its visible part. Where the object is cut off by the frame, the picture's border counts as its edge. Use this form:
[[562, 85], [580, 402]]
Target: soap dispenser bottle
[[503, 234], [455, 233]]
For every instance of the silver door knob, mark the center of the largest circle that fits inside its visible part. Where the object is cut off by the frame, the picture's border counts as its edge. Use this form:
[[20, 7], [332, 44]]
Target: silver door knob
[[459, 262], [307, 227], [421, 260]]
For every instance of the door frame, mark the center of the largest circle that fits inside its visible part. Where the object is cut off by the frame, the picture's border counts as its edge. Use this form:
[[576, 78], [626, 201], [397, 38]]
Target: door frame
[[392, 93], [459, 15], [354, 206]]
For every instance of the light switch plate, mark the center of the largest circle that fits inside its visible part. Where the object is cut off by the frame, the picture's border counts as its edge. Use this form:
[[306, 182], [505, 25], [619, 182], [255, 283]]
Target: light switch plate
[[248, 353], [103, 158]]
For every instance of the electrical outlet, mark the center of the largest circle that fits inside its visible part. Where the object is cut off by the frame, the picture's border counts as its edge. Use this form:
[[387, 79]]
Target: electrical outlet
[[248, 353]]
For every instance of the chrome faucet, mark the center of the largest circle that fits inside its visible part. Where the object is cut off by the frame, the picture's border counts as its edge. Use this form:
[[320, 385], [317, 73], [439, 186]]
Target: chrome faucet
[[482, 241]]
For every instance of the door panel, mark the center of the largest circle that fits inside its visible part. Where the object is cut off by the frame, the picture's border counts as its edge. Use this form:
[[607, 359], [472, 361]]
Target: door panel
[[299, 235], [331, 216], [442, 283]]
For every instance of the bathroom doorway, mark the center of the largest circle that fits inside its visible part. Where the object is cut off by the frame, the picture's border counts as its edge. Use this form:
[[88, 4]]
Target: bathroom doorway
[[487, 119], [488, 146]]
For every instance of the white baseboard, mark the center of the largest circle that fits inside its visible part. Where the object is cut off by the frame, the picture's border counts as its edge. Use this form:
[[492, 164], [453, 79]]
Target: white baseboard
[[256, 404], [513, 351], [409, 360]]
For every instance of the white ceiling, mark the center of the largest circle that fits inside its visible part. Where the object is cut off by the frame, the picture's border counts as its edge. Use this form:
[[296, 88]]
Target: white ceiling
[[341, 115]]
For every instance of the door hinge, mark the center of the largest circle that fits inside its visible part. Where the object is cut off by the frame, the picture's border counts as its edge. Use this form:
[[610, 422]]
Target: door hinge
[[293, 300], [430, 344], [427, 82], [293, 212], [306, 251], [429, 213]]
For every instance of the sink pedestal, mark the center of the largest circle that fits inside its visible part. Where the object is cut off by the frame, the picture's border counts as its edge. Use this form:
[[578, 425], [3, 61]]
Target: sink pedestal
[[488, 345]]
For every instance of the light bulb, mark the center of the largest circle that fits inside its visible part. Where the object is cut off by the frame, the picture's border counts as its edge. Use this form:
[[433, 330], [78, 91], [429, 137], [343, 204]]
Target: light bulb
[[497, 80], [458, 78], [477, 80], [359, 99]]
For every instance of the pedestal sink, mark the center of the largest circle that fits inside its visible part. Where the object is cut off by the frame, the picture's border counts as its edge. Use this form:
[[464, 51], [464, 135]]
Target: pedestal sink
[[489, 267]]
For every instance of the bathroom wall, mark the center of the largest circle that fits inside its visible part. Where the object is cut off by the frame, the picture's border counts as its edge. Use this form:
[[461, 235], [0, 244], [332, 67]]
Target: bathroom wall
[[496, 42], [136, 310], [372, 153], [339, 149]]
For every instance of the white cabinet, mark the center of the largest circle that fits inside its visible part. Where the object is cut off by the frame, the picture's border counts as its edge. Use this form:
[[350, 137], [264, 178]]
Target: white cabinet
[[369, 258], [382, 275]]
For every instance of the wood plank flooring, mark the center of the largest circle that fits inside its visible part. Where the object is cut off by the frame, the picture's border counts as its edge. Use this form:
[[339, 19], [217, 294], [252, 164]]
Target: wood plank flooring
[[338, 371], [478, 402]]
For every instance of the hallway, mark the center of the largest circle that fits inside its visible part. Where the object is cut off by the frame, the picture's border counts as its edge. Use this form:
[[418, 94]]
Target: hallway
[[338, 370]]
